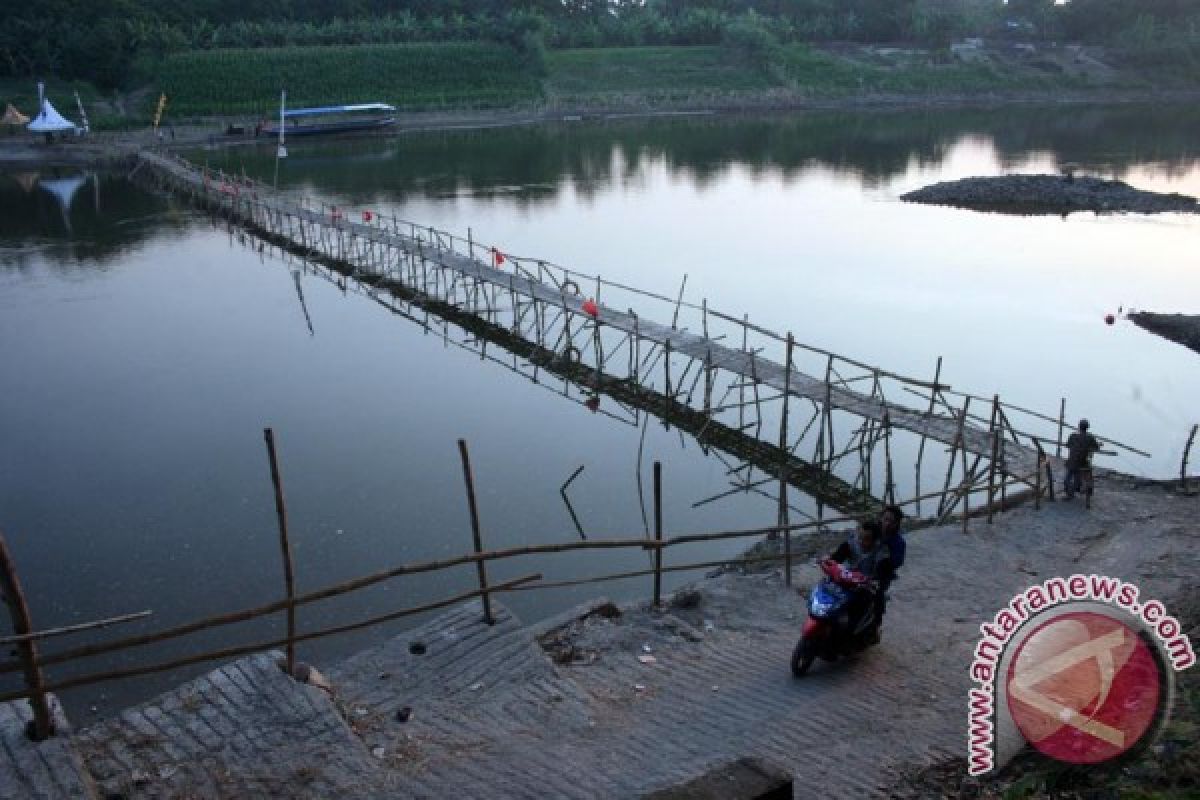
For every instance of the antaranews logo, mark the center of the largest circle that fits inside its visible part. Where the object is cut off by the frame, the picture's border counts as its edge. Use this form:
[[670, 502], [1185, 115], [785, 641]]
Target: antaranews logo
[[1078, 668]]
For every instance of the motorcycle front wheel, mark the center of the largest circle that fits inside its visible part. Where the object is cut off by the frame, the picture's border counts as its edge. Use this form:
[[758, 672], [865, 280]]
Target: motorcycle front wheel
[[803, 657]]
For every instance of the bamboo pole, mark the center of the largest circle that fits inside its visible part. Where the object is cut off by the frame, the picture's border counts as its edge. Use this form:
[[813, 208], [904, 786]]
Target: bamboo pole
[[286, 547], [992, 428], [18, 610], [66, 629], [782, 515], [477, 538], [1062, 419], [258, 647], [1037, 477], [889, 486], [968, 476], [1187, 448], [658, 534], [992, 475]]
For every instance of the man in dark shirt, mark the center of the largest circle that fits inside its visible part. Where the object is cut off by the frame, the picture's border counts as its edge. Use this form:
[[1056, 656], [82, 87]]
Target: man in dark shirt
[[1080, 446]]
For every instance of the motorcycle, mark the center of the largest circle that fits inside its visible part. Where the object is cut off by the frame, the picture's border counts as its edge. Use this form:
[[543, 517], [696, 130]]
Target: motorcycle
[[829, 632]]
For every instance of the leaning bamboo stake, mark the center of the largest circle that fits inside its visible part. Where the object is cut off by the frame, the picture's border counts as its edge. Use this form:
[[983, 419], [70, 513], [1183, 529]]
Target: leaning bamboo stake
[[18, 609], [258, 647], [1187, 448], [477, 538], [66, 629], [285, 546]]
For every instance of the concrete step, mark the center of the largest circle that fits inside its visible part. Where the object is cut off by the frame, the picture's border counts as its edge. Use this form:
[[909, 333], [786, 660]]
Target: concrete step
[[49, 769], [243, 730]]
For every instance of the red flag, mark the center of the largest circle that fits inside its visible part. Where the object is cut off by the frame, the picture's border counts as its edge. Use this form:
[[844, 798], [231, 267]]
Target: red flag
[[497, 257], [591, 309], [366, 216]]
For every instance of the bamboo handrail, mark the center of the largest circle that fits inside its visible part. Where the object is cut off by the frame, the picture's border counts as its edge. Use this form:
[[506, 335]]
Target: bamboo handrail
[[244, 615], [82, 626]]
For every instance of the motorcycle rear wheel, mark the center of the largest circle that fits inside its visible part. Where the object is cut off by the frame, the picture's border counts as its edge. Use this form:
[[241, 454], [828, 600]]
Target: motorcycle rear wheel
[[803, 657]]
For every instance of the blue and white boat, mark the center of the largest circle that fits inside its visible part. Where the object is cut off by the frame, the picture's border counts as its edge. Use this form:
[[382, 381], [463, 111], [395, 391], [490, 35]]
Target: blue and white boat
[[332, 119]]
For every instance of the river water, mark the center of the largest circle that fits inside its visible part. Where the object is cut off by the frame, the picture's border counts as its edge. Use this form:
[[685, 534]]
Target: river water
[[145, 348]]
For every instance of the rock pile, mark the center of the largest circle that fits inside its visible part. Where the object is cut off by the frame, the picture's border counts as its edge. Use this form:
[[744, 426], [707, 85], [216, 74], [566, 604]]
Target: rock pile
[[1049, 194]]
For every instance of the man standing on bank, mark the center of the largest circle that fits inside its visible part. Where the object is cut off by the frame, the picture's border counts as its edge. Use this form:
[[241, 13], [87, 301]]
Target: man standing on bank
[[1080, 446]]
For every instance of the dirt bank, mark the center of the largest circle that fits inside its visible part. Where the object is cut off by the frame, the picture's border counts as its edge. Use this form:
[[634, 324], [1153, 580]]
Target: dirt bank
[[1049, 194], [1182, 329]]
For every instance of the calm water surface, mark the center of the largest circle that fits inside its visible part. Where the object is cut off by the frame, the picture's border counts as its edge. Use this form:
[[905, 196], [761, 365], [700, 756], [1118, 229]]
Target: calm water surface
[[144, 349]]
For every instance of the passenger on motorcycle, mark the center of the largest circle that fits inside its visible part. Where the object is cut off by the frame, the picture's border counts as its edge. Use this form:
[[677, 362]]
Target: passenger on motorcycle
[[893, 540], [865, 552]]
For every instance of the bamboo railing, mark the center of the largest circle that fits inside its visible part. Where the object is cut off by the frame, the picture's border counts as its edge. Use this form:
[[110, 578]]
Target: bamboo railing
[[33, 664]]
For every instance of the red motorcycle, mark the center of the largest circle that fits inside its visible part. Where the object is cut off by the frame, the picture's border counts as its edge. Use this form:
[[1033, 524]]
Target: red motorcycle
[[841, 617]]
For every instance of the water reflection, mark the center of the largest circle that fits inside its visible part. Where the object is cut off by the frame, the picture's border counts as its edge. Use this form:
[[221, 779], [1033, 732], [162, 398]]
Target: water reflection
[[530, 165], [78, 218]]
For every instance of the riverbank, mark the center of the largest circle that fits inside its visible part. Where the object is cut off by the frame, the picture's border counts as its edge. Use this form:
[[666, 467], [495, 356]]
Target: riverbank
[[651, 698], [101, 147]]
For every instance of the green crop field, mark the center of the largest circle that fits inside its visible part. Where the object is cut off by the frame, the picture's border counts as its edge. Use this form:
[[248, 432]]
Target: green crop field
[[635, 69], [409, 76]]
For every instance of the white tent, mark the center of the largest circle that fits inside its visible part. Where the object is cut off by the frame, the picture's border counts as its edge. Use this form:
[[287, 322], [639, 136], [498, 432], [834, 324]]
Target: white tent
[[48, 119]]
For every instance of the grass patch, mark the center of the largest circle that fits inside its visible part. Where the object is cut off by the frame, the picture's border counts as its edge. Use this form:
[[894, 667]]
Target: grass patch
[[409, 76]]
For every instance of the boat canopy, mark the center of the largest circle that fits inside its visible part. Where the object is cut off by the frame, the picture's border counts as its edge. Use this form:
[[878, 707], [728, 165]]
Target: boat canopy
[[363, 108]]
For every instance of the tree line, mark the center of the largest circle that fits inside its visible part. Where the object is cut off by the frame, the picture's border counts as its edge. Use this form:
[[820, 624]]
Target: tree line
[[102, 41]]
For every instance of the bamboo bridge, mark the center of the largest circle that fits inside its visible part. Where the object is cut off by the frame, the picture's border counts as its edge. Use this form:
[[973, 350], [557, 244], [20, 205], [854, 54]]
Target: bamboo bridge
[[733, 385]]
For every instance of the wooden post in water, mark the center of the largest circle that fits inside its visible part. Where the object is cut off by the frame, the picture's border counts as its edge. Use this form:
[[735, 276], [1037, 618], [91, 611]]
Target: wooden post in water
[[18, 609], [286, 547], [783, 466], [658, 533], [480, 565]]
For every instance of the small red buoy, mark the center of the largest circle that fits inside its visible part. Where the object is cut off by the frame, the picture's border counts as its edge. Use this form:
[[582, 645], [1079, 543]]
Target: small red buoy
[[591, 309], [1109, 319], [593, 403]]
